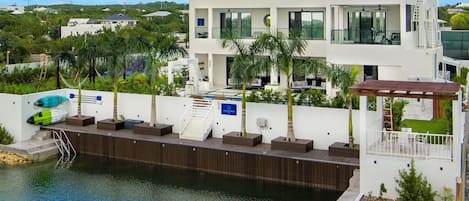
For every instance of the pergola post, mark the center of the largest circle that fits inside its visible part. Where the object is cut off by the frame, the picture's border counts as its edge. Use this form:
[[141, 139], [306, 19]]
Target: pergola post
[[363, 124], [379, 111]]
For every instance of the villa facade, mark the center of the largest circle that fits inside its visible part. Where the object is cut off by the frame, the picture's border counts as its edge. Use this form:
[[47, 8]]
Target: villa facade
[[390, 40], [81, 26]]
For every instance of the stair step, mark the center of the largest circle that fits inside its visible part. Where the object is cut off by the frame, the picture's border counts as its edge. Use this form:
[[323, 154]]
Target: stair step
[[42, 135]]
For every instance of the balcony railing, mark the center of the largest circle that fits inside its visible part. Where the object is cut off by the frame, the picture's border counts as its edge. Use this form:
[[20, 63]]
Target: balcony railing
[[245, 33], [201, 32], [314, 34], [347, 36], [408, 144]]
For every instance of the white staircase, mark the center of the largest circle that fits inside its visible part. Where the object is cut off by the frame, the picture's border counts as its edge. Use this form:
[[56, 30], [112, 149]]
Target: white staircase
[[197, 122]]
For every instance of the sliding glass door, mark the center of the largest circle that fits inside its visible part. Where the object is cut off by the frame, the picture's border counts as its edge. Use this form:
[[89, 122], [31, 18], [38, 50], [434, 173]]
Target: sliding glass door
[[366, 27]]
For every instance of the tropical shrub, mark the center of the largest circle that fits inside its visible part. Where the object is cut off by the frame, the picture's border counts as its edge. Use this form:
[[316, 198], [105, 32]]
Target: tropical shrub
[[5, 137], [413, 186]]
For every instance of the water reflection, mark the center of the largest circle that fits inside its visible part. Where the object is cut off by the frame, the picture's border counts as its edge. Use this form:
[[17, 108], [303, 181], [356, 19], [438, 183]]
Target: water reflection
[[91, 178]]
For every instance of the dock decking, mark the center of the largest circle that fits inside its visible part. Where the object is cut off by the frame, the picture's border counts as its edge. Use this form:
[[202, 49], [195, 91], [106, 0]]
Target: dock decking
[[312, 169]]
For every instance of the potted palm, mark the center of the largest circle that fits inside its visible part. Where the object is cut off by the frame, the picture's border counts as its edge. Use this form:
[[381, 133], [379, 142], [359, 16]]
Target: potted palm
[[344, 79], [283, 51], [161, 48], [113, 59], [83, 57], [244, 69]]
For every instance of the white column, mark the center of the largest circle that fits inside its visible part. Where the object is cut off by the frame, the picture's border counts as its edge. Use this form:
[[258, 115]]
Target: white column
[[210, 71], [273, 30], [363, 124], [171, 65], [210, 23], [328, 23], [379, 110], [273, 20]]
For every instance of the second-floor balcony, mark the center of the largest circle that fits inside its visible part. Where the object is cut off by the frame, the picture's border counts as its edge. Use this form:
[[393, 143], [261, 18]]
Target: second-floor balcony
[[372, 37]]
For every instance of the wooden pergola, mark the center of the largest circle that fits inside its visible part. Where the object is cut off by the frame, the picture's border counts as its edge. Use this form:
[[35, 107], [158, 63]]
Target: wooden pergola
[[407, 89]]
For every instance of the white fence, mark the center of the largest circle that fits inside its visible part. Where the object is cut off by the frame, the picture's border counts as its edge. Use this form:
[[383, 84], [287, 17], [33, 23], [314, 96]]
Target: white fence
[[408, 144]]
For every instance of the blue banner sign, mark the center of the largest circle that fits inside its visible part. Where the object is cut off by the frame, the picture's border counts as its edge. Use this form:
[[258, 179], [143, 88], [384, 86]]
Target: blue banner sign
[[228, 109]]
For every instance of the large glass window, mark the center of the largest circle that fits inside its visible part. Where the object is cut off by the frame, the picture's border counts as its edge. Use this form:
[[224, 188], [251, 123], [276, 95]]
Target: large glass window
[[236, 24], [367, 27], [307, 24]]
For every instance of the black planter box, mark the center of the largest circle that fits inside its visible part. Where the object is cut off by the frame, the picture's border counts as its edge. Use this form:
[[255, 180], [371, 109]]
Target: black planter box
[[158, 130], [79, 121], [236, 139], [299, 145], [110, 124], [343, 149]]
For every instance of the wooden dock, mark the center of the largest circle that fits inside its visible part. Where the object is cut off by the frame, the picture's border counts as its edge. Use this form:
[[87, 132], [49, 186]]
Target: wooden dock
[[312, 169]]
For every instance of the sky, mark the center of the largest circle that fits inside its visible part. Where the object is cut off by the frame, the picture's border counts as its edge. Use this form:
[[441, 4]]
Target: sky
[[103, 2]]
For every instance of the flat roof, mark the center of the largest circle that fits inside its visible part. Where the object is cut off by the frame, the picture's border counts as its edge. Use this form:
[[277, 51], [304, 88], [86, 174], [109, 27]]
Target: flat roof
[[407, 89]]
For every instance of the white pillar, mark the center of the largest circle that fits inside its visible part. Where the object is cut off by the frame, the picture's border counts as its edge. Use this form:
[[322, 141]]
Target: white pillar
[[210, 71], [379, 110], [328, 23], [363, 124], [210, 23], [273, 20], [171, 65]]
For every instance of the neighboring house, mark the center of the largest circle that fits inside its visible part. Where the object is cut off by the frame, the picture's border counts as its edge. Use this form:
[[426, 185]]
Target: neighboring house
[[455, 10], [46, 10], [106, 9], [455, 51], [156, 14], [80, 26], [119, 19], [388, 40], [16, 10], [463, 6]]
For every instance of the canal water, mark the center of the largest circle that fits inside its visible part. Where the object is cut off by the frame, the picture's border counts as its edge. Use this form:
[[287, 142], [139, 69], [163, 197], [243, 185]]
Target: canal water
[[93, 178]]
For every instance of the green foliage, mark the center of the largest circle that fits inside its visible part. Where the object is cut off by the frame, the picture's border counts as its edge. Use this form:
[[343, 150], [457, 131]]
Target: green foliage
[[382, 190], [5, 137], [460, 21], [446, 194], [254, 96], [413, 186], [270, 96], [448, 112], [311, 97], [435, 126], [397, 113]]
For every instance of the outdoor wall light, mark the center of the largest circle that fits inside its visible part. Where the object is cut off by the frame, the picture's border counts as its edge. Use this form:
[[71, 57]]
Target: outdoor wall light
[[375, 162]]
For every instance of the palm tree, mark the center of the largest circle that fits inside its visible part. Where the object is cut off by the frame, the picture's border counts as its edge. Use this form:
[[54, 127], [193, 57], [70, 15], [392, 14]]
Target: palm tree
[[113, 58], [283, 51], [247, 64], [63, 53], [161, 49], [344, 79], [91, 51]]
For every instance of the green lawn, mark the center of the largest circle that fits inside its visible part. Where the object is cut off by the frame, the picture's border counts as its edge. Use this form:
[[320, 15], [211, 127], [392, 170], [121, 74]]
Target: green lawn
[[435, 126]]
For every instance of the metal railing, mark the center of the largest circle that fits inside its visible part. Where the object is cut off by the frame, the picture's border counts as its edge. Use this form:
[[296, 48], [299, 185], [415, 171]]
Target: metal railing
[[201, 32], [246, 33], [372, 37], [408, 144], [312, 34]]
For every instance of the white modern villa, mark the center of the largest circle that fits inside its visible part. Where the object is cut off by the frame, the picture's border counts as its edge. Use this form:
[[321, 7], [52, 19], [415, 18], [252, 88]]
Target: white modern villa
[[391, 40], [81, 26]]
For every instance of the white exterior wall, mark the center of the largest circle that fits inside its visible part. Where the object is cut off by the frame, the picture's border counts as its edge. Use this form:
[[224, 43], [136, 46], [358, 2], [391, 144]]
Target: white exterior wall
[[16, 109]]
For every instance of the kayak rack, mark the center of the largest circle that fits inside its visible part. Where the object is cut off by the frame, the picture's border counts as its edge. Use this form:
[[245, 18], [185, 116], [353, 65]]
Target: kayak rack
[[65, 147]]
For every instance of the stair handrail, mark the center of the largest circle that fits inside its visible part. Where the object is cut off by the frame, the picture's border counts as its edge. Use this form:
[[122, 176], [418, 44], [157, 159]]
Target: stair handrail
[[58, 143], [209, 118], [185, 119], [68, 143]]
